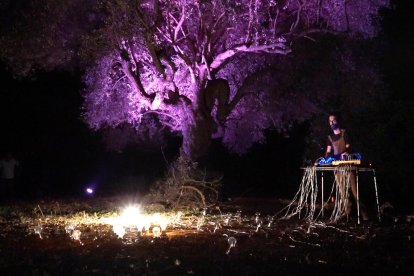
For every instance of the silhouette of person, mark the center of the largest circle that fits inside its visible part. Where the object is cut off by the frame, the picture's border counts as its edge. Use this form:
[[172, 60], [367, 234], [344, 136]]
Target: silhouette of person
[[8, 166]]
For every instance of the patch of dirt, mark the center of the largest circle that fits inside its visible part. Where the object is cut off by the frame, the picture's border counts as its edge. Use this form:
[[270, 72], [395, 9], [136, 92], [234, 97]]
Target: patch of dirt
[[240, 236]]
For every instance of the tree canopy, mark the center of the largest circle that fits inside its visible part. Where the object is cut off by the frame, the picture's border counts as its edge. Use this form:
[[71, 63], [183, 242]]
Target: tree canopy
[[200, 69]]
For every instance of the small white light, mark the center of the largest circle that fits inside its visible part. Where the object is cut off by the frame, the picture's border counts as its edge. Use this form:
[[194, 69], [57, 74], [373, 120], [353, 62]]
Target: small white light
[[156, 231]]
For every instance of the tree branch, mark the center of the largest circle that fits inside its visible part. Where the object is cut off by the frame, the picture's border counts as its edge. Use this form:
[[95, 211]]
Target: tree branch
[[179, 24], [315, 31], [134, 79], [247, 39], [346, 14], [150, 41], [278, 48], [174, 39], [160, 113], [298, 13]]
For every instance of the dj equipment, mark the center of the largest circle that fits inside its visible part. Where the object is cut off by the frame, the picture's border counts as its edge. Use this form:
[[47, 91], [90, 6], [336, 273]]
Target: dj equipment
[[349, 159], [346, 162]]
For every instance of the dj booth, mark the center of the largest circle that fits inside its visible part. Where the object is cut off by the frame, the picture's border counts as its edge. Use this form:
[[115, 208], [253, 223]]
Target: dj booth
[[354, 167]]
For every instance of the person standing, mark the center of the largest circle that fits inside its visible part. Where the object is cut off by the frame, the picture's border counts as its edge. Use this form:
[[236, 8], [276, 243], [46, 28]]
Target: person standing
[[338, 147], [8, 166], [338, 141]]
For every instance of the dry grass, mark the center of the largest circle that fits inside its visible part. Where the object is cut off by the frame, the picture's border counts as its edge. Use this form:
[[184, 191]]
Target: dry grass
[[185, 187]]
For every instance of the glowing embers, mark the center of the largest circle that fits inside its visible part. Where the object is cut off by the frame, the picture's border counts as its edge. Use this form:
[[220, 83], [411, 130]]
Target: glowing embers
[[133, 221]]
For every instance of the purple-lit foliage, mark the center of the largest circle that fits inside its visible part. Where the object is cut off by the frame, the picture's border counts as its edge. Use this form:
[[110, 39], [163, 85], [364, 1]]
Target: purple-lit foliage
[[167, 51], [196, 68]]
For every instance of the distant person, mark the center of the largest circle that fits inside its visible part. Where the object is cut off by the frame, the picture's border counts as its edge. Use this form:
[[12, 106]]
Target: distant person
[[338, 147], [8, 166]]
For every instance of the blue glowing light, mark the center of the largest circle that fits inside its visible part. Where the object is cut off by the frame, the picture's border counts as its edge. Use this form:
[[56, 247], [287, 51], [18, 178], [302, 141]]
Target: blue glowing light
[[329, 160]]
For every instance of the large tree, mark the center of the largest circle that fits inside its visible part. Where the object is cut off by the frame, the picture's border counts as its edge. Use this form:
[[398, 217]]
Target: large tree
[[199, 69]]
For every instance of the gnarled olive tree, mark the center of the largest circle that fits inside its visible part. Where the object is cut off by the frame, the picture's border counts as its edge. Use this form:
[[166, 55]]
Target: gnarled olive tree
[[191, 67]]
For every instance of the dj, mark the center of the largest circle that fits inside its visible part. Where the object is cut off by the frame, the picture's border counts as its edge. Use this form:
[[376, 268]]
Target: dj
[[339, 147], [338, 141]]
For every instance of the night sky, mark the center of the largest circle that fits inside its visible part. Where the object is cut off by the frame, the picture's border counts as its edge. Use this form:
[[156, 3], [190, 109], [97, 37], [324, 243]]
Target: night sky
[[41, 125]]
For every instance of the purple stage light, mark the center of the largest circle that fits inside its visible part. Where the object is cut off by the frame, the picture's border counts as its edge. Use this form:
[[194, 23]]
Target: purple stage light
[[89, 191]]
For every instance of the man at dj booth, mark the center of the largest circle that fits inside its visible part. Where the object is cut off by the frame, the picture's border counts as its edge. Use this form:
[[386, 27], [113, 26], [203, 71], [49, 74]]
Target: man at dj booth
[[338, 141], [338, 147]]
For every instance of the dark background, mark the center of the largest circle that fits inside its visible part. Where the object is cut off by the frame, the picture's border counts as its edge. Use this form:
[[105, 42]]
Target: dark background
[[40, 122], [59, 155]]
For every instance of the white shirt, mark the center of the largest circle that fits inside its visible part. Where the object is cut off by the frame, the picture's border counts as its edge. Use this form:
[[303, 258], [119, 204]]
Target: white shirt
[[8, 167]]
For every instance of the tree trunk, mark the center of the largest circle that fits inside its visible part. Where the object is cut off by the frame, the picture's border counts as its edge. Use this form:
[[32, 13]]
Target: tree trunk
[[198, 130]]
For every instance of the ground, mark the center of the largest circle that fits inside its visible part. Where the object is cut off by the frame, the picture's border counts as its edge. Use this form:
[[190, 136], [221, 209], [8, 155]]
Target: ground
[[242, 236]]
